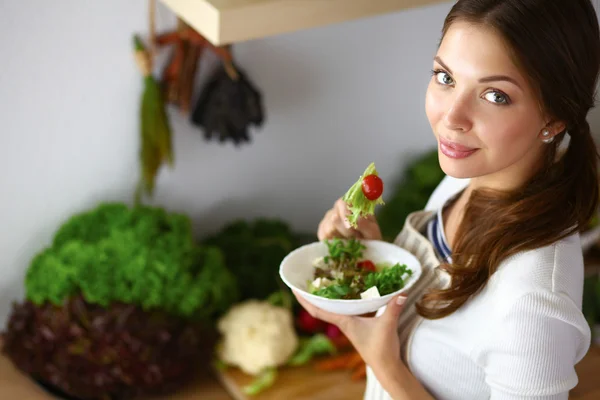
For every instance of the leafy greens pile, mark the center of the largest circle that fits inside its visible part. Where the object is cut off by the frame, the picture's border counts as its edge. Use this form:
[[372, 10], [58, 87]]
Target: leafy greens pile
[[253, 251], [143, 256], [119, 304], [591, 298]]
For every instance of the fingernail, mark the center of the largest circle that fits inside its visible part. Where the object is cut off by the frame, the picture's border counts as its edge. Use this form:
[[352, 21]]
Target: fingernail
[[346, 223], [400, 300]]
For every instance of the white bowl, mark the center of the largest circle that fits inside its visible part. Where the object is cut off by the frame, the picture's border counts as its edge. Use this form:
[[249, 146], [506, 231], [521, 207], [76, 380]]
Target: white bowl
[[297, 269]]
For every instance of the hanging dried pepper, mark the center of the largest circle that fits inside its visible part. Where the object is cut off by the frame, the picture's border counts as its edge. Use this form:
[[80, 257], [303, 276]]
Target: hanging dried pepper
[[178, 76]]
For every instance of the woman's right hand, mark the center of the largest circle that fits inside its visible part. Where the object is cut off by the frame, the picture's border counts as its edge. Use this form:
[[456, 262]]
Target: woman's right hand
[[335, 224]]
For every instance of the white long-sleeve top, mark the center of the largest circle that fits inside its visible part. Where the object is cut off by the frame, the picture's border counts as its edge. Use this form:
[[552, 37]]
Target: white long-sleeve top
[[519, 338]]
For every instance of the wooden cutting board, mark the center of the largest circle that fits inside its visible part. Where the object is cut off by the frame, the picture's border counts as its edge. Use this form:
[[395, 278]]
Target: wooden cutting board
[[298, 383]]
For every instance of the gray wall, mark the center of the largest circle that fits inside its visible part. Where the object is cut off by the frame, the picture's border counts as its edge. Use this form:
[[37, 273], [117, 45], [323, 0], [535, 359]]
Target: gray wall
[[337, 98]]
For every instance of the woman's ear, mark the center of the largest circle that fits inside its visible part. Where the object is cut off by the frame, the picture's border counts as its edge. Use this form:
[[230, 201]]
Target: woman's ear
[[555, 127], [552, 128]]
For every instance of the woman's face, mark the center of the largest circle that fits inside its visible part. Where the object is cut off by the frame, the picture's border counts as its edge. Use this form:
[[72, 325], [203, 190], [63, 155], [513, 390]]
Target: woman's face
[[484, 115]]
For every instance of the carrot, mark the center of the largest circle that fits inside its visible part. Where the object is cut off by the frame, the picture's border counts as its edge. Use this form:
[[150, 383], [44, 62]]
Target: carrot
[[337, 362], [341, 342], [359, 373], [355, 361]]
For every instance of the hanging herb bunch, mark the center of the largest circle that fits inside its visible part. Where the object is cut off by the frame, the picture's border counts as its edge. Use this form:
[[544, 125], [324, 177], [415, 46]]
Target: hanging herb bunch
[[155, 130], [229, 104]]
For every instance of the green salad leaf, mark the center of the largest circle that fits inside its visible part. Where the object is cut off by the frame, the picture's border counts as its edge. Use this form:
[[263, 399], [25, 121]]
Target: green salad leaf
[[388, 280], [310, 347], [358, 204], [341, 250], [335, 291]]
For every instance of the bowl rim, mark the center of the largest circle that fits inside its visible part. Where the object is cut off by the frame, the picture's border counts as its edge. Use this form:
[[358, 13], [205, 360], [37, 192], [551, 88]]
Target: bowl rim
[[414, 278]]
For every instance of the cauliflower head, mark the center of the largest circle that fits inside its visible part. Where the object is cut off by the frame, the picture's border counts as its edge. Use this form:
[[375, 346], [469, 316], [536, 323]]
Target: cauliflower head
[[257, 335]]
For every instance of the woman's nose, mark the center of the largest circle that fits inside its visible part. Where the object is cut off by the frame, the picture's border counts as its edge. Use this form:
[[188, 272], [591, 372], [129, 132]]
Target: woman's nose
[[457, 116]]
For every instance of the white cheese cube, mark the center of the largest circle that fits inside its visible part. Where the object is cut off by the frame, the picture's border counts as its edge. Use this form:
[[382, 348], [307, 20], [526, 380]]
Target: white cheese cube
[[321, 283], [370, 293], [337, 274], [317, 283], [319, 262]]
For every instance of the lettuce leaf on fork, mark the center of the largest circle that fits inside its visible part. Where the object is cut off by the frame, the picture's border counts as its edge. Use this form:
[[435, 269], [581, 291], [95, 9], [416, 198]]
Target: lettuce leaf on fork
[[357, 202]]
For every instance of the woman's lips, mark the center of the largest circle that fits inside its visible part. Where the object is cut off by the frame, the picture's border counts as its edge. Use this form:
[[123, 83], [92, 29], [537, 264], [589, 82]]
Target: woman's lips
[[455, 150]]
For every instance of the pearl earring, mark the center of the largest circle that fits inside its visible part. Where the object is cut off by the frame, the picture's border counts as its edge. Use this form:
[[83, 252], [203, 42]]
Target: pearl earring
[[547, 138]]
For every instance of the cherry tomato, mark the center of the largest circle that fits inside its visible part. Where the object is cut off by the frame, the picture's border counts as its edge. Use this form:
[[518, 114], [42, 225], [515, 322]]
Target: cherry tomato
[[372, 187], [368, 265]]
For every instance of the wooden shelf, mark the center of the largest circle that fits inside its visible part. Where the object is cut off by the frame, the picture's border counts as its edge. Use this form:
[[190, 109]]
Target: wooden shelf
[[229, 21]]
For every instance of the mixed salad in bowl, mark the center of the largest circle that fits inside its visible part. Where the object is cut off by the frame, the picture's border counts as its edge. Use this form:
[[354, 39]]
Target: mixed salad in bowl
[[351, 276], [345, 274]]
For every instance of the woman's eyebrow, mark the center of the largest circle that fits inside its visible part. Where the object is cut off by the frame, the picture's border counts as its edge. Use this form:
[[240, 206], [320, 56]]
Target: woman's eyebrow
[[493, 78], [439, 61]]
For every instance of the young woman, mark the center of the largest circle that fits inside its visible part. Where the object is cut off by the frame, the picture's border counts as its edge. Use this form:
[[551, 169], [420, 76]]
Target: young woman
[[497, 313]]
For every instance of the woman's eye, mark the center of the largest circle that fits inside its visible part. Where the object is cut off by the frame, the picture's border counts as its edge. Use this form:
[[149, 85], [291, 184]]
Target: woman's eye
[[496, 97], [443, 78]]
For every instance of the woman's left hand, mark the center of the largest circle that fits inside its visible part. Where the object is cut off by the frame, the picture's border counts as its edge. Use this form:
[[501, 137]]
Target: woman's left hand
[[375, 338]]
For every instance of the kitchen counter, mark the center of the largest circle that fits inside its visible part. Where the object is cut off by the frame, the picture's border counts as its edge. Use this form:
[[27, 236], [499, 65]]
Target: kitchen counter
[[14, 385]]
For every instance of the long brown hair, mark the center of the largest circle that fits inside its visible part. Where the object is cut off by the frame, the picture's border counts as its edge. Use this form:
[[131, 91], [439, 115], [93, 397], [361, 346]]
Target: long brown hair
[[557, 44]]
